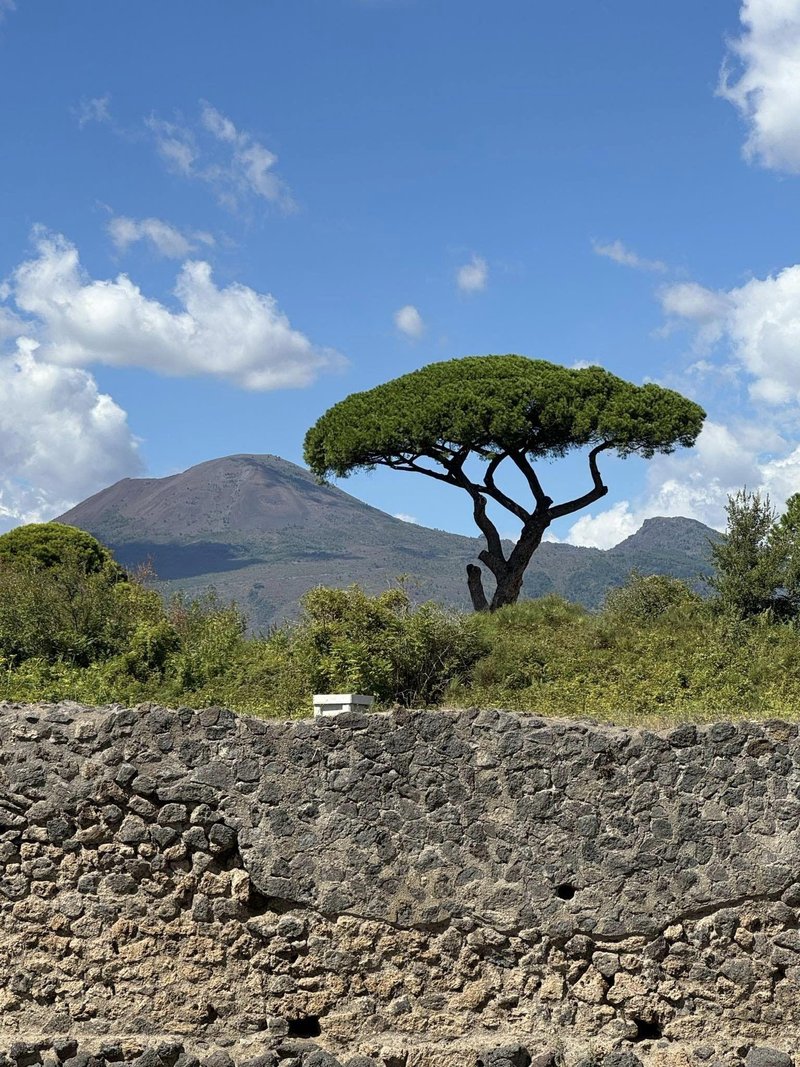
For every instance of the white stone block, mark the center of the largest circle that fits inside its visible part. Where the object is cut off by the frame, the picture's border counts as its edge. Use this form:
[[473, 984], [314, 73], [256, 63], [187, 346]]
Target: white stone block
[[337, 703]]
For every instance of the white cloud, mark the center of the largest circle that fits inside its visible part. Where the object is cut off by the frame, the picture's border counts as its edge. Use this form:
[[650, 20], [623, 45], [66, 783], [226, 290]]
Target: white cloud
[[409, 321], [60, 438], [93, 109], [229, 160], [11, 325], [605, 529], [167, 240], [175, 145], [6, 7], [473, 276], [235, 333], [767, 89], [406, 518], [761, 323], [619, 253]]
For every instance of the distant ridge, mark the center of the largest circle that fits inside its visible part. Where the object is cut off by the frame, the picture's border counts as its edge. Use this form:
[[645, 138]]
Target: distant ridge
[[262, 531]]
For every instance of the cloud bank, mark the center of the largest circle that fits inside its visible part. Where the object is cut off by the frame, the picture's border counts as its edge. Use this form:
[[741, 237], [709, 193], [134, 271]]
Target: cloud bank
[[759, 321], [60, 437], [234, 333]]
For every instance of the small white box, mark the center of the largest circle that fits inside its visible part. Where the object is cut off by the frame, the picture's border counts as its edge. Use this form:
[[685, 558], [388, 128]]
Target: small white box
[[337, 703]]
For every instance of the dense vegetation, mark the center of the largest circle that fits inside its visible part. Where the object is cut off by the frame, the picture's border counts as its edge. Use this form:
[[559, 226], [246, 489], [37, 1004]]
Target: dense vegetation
[[74, 626]]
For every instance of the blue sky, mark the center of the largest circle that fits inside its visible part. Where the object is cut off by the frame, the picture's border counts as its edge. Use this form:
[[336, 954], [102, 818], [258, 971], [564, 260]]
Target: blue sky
[[221, 218]]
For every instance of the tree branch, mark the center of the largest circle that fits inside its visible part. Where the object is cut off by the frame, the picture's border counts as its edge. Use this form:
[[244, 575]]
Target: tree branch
[[414, 468], [543, 501], [599, 490], [497, 494], [487, 528]]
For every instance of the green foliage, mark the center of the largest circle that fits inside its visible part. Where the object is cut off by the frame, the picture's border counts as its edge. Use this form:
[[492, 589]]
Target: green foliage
[[656, 653], [683, 662], [785, 543], [748, 559], [348, 641], [210, 637], [646, 598], [499, 404], [62, 613], [47, 545], [68, 634]]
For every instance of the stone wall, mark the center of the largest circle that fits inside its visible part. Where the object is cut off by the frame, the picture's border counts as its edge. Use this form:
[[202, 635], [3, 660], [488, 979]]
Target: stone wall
[[421, 889]]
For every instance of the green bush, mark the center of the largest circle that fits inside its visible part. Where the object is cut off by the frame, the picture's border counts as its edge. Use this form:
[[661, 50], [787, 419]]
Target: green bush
[[62, 613], [349, 641], [647, 598], [50, 545], [656, 654], [210, 638]]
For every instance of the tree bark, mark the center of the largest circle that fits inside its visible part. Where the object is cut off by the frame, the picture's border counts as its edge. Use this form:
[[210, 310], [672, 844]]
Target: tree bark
[[475, 585], [509, 579]]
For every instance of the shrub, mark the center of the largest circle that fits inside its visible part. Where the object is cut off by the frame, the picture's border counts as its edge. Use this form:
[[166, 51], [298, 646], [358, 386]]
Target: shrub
[[49, 545], [347, 640], [646, 598]]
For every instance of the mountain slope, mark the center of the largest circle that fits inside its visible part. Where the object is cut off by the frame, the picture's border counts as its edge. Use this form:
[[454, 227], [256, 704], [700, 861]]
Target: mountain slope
[[262, 531]]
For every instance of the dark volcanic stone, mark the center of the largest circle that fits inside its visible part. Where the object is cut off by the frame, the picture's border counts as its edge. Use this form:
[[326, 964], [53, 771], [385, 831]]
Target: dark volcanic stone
[[767, 1057]]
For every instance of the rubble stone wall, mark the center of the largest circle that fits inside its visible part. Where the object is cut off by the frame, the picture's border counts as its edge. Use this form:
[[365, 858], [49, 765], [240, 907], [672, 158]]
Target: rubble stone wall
[[421, 889]]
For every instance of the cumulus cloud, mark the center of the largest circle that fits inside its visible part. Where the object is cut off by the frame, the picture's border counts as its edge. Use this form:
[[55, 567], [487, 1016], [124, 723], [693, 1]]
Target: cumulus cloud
[[166, 239], [604, 529], [234, 333], [406, 518], [61, 439], [93, 109], [11, 325], [231, 161], [619, 253], [473, 276], [760, 321], [761, 77], [409, 321]]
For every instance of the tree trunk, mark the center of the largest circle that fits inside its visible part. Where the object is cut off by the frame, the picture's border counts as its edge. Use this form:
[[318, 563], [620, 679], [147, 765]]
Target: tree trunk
[[508, 588], [475, 585], [509, 572]]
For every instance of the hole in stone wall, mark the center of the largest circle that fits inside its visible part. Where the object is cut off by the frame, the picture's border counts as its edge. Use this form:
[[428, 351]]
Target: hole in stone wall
[[260, 904], [565, 891], [307, 1026], [211, 1013], [29, 1059], [647, 1030]]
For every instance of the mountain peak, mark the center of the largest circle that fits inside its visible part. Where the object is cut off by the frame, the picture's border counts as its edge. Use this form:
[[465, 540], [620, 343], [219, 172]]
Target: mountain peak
[[664, 533]]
